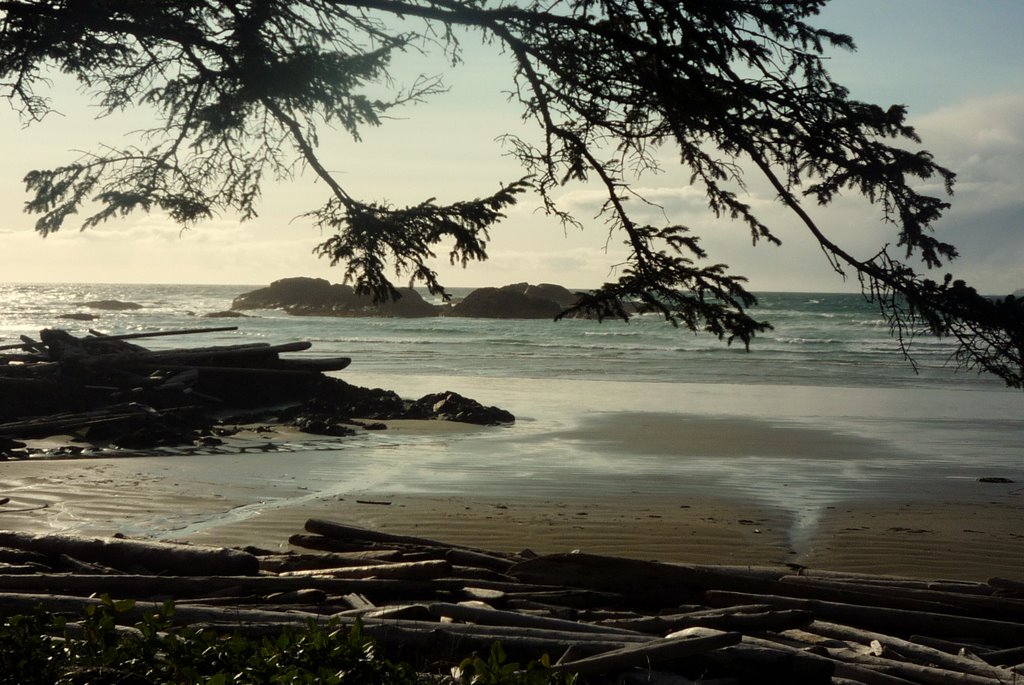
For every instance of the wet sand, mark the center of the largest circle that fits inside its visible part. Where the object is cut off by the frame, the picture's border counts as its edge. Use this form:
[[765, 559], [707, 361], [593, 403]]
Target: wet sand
[[254, 493]]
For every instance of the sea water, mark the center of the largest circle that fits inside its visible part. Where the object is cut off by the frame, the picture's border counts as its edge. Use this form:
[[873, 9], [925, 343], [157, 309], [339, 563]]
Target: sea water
[[822, 407]]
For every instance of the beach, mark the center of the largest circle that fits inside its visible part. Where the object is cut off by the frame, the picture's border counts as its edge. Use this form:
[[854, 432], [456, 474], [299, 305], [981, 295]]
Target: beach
[[820, 447], [261, 486]]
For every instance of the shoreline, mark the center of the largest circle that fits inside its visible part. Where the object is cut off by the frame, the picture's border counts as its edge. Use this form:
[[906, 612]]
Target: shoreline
[[260, 489]]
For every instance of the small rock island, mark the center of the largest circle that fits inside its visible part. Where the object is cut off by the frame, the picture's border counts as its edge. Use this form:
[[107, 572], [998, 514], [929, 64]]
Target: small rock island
[[302, 296]]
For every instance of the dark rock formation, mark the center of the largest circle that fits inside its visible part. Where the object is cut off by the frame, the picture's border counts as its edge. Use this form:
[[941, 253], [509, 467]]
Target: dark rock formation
[[79, 316], [226, 314], [549, 291], [516, 301], [335, 403], [454, 407], [318, 297], [113, 305]]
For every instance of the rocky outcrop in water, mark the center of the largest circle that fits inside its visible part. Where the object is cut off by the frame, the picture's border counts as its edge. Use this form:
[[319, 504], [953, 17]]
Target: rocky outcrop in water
[[318, 297], [303, 296], [516, 301], [113, 305]]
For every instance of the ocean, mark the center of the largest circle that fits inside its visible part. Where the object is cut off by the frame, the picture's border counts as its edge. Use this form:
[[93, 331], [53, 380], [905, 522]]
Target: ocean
[[820, 409]]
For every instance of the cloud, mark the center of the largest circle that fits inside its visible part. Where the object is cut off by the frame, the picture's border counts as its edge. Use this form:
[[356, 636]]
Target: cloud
[[982, 140]]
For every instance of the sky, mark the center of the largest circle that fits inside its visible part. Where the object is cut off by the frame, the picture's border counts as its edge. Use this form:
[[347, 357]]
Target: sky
[[957, 64]]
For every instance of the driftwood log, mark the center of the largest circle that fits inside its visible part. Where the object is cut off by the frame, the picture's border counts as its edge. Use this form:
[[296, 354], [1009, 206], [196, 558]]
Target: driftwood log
[[127, 555]]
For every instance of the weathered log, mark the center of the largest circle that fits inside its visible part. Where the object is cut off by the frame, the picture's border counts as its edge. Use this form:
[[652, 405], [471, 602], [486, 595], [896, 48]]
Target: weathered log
[[1004, 657], [554, 637], [339, 531], [909, 598], [79, 566], [495, 617], [312, 365], [950, 646], [898, 621], [157, 334], [278, 563], [569, 597], [327, 544], [544, 609], [139, 586], [760, 664], [304, 596], [1007, 586], [11, 555], [644, 581], [652, 652], [411, 612], [909, 650], [842, 669], [20, 569], [12, 604], [457, 638], [491, 562], [403, 570], [358, 601], [32, 345], [929, 675], [816, 588], [158, 557], [253, 350], [470, 593], [209, 369], [727, 619], [895, 581]]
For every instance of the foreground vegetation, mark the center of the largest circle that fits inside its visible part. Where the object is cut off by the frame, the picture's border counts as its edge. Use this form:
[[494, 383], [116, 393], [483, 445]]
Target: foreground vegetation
[[47, 648]]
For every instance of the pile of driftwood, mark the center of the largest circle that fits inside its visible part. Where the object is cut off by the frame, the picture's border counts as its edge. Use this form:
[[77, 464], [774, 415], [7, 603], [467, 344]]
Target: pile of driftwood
[[106, 390], [608, 619], [103, 384]]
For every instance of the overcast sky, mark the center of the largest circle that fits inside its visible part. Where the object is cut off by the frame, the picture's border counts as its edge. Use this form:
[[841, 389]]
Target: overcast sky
[[957, 64]]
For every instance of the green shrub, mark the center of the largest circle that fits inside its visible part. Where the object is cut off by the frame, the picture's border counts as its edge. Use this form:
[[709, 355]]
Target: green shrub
[[42, 648]]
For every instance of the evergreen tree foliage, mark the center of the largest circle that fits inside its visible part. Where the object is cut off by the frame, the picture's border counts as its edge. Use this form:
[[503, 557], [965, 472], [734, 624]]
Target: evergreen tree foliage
[[737, 88]]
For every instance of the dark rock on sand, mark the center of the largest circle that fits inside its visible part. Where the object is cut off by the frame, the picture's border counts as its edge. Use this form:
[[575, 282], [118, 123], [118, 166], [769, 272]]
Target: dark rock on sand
[[320, 425], [335, 399], [336, 405], [318, 297], [516, 301], [454, 407]]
